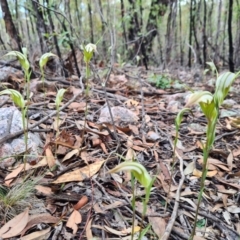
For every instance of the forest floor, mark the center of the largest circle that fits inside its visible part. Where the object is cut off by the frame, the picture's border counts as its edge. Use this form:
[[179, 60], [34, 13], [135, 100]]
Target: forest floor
[[76, 198]]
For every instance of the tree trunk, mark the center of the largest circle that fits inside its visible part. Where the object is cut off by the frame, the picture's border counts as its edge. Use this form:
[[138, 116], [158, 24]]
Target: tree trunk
[[204, 33], [194, 28], [133, 30], [29, 41], [103, 29], [53, 32], [216, 53], [78, 15], [90, 21], [180, 34], [190, 35], [123, 24], [158, 8], [169, 36], [15, 40], [231, 50], [41, 27], [237, 41], [68, 10], [224, 31]]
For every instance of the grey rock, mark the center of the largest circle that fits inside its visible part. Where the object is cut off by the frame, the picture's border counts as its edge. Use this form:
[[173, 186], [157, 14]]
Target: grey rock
[[11, 122]]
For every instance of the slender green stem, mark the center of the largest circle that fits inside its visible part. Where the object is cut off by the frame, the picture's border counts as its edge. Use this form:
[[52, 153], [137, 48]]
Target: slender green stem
[[206, 150], [87, 95], [25, 137], [24, 114], [174, 158], [133, 204]]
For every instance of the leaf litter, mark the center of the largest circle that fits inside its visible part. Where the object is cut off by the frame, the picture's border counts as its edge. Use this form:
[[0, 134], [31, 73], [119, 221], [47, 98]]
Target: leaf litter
[[84, 202]]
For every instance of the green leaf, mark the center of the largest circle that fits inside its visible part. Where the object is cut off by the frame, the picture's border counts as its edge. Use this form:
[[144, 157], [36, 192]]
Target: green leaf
[[223, 84], [16, 97], [201, 223], [144, 231]]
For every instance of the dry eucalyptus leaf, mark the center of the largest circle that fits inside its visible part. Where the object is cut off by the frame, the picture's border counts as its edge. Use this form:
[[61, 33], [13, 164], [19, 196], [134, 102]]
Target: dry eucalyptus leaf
[[74, 219], [15, 226], [80, 174]]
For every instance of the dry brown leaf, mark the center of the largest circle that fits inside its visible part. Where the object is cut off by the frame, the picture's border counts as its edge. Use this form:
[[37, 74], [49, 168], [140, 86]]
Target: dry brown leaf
[[74, 90], [198, 173], [71, 154], [236, 152], [81, 203], [190, 167], [147, 118], [131, 103], [88, 230], [140, 149], [230, 161], [11, 176], [130, 142], [15, 226], [116, 232], [217, 207], [37, 235], [40, 218], [80, 174], [76, 106], [74, 219], [41, 163], [130, 154], [104, 148], [198, 238], [164, 184], [44, 190], [50, 158], [97, 208], [158, 224], [113, 205], [228, 183], [134, 129]]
